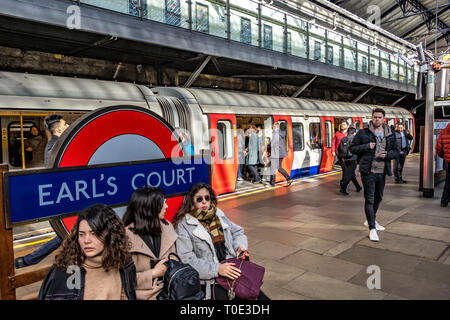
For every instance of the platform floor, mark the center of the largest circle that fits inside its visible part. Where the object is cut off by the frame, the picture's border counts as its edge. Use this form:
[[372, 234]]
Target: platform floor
[[313, 244]]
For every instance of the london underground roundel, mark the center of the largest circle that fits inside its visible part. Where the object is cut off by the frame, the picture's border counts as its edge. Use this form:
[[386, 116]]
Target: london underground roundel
[[112, 135]]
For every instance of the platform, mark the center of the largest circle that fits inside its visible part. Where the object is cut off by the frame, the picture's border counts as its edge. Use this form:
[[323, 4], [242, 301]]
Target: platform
[[313, 244]]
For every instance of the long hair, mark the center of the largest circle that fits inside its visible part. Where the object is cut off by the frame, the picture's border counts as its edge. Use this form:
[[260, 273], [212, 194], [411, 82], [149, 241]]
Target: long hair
[[143, 211], [108, 227], [188, 201]]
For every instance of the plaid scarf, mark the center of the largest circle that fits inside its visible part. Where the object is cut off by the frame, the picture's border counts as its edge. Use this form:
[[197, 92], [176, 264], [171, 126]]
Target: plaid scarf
[[211, 222]]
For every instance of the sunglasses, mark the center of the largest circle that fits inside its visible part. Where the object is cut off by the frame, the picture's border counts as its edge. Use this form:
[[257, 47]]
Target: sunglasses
[[200, 199]]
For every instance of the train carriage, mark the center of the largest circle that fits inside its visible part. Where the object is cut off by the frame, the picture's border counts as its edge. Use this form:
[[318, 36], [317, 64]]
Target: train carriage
[[211, 118]]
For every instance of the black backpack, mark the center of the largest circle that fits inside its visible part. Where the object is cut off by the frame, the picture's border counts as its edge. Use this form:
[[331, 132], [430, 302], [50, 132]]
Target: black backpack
[[181, 281], [344, 148]]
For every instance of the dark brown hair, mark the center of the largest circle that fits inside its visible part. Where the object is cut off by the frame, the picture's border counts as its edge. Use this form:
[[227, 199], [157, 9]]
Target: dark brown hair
[[380, 111], [108, 227], [143, 211], [188, 201]]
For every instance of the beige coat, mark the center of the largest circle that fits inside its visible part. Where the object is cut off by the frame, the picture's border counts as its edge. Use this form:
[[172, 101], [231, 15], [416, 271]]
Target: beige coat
[[147, 287]]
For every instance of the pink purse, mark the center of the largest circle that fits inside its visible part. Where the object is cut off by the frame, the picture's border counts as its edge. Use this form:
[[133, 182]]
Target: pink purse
[[249, 283]]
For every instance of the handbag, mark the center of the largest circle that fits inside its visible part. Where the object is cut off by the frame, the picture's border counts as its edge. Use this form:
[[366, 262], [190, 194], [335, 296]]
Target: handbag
[[249, 283]]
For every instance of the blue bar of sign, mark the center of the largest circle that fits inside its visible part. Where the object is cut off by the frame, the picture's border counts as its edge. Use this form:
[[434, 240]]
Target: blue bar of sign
[[42, 194]]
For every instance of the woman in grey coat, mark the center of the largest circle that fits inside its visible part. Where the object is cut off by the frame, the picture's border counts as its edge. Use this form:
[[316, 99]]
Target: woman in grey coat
[[206, 237]]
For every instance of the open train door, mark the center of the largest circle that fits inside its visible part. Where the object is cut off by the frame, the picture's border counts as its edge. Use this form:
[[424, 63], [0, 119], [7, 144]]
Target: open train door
[[287, 162], [223, 152], [327, 125]]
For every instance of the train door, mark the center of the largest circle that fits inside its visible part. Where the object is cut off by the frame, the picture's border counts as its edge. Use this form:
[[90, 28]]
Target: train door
[[327, 158], [223, 152], [306, 146], [285, 123]]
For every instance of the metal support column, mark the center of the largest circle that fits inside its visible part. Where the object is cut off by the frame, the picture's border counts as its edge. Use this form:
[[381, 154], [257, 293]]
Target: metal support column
[[362, 95], [285, 34], [428, 170], [260, 39], [228, 20], [299, 91], [189, 2], [196, 73]]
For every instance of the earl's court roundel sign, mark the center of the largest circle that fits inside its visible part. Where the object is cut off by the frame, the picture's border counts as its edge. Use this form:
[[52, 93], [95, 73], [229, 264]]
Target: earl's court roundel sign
[[124, 148]]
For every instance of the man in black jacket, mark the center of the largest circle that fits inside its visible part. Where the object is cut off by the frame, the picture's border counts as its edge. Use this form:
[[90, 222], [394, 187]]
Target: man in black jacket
[[403, 137], [375, 146]]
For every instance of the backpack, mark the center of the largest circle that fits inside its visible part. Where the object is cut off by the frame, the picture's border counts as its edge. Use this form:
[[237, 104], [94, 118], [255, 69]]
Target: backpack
[[344, 148], [181, 281]]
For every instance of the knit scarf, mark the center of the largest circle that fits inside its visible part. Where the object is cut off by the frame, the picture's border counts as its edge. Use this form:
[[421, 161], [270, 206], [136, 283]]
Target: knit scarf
[[211, 222]]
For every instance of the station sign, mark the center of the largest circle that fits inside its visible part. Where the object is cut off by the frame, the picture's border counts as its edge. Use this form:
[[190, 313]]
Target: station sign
[[37, 195]]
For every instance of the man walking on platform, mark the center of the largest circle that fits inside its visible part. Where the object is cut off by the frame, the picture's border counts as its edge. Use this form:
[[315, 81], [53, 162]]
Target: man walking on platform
[[443, 151], [278, 153], [375, 146], [403, 137], [348, 163], [56, 125], [338, 136]]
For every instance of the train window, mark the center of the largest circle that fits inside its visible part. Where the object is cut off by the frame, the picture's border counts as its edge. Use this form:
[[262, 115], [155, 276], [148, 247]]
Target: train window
[[315, 135], [357, 125], [328, 134], [15, 142], [283, 126], [297, 132], [225, 139], [411, 127]]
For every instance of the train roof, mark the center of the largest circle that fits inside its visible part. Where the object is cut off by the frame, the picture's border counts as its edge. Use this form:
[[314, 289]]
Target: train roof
[[33, 91], [220, 101]]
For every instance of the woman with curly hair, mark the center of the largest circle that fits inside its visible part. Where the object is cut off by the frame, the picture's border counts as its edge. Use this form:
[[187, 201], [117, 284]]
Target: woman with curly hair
[[94, 263], [206, 237], [151, 237]]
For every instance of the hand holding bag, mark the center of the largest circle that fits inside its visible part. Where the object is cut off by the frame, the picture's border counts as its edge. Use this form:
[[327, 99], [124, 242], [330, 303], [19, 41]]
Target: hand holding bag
[[249, 283]]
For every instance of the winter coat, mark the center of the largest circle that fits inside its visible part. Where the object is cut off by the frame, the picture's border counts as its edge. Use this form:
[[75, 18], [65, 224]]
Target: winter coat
[[278, 144], [195, 246], [408, 137], [241, 147], [443, 144], [54, 286], [360, 146], [147, 287], [253, 149], [337, 140]]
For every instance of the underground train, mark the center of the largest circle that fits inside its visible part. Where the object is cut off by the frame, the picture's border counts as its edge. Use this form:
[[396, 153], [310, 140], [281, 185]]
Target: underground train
[[210, 117]]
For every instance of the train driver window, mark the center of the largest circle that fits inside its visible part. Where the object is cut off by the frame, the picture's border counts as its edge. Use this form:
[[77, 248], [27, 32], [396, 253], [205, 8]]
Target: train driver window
[[315, 138], [283, 126], [328, 133], [297, 131], [225, 139], [357, 125]]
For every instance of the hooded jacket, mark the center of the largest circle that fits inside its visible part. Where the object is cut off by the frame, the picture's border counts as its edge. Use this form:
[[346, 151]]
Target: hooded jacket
[[443, 144], [360, 146]]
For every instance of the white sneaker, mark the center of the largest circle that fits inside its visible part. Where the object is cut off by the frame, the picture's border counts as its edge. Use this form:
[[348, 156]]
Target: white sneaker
[[373, 236], [378, 226]]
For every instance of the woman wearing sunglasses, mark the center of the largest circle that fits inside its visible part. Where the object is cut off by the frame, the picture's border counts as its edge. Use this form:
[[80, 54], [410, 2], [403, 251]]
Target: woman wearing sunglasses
[[206, 237], [151, 239]]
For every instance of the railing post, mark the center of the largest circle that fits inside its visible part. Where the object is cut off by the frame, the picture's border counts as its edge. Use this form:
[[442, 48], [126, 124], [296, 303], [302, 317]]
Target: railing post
[[307, 40], [285, 47], [260, 40], [7, 291], [228, 20], [190, 14]]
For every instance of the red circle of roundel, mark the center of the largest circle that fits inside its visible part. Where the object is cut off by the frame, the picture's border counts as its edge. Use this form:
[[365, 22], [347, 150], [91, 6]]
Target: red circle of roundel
[[91, 131]]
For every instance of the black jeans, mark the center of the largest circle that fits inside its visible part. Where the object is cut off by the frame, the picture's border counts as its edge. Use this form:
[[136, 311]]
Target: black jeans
[[398, 166], [373, 194], [282, 171], [348, 174], [445, 199], [254, 171], [39, 254]]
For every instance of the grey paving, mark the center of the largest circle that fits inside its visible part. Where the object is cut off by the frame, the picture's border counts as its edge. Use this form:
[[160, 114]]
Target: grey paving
[[313, 243]]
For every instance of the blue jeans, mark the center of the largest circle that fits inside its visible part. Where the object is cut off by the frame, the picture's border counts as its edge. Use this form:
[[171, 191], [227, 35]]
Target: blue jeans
[[373, 194], [39, 254]]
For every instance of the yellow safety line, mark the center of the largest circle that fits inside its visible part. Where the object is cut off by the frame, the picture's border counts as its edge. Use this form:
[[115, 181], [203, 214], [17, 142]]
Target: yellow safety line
[[32, 243]]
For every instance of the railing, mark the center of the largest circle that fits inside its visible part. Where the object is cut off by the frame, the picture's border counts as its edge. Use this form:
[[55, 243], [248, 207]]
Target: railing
[[255, 24]]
